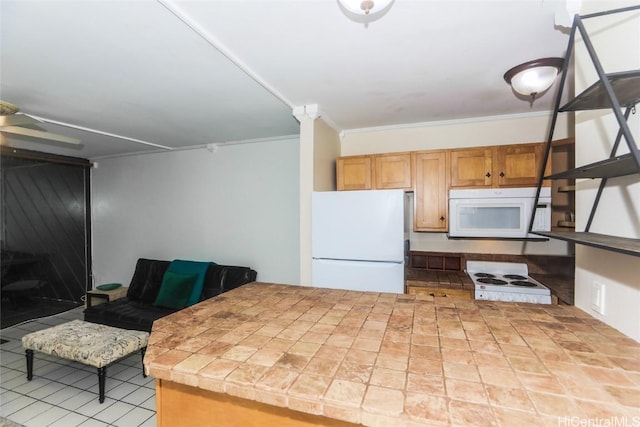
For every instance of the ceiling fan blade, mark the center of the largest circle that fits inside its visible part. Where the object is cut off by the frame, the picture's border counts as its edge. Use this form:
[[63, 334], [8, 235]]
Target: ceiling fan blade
[[39, 134], [17, 120]]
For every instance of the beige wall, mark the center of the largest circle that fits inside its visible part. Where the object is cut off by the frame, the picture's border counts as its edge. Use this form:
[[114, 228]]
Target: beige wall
[[617, 43], [514, 129], [502, 130], [326, 147]]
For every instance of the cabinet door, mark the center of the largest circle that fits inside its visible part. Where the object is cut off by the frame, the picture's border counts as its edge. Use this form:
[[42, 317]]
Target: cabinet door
[[518, 165], [353, 173], [392, 171], [439, 292], [471, 167], [431, 207]]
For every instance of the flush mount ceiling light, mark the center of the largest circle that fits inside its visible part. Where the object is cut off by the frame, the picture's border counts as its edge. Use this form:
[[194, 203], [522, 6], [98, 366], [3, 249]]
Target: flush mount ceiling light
[[534, 77], [365, 11]]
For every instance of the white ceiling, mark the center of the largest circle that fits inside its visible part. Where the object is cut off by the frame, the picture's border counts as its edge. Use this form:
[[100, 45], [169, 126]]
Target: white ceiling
[[184, 73]]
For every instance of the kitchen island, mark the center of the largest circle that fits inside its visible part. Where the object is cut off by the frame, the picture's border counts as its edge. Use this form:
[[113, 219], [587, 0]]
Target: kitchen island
[[292, 355]]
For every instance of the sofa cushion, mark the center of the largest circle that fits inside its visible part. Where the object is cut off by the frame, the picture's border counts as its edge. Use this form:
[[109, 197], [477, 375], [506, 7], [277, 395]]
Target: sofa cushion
[[127, 314], [146, 280], [223, 278], [175, 290], [191, 267]]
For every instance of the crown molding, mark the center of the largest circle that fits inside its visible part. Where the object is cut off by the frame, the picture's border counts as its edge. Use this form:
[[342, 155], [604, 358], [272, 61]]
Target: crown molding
[[448, 122]]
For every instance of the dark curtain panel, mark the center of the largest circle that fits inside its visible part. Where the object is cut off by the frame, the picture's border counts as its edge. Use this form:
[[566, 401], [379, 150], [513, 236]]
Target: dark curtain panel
[[45, 225]]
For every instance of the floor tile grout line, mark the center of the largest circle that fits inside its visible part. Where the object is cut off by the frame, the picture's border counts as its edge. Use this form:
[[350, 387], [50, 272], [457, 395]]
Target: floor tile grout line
[[91, 417]]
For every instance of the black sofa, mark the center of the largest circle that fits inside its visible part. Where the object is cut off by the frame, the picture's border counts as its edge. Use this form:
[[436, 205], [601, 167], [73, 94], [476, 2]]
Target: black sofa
[[136, 311]]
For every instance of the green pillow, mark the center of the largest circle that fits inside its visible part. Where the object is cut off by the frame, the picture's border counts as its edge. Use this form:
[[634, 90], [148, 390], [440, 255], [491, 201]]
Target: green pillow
[[175, 290], [108, 286]]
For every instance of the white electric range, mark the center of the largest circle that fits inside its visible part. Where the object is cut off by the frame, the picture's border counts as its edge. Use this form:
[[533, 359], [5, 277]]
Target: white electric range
[[506, 281]]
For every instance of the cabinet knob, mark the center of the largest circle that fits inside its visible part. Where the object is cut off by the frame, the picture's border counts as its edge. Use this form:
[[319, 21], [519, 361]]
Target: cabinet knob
[[488, 175], [501, 174], [442, 218]]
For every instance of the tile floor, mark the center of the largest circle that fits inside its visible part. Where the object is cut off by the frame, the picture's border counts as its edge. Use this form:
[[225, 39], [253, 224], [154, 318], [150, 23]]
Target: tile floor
[[65, 393]]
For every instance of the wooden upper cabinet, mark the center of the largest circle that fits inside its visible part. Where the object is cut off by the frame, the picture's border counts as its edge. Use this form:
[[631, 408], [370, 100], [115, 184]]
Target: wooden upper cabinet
[[518, 165], [472, 167], [498, 166], [431, 191], [392, 171], [353, 173]]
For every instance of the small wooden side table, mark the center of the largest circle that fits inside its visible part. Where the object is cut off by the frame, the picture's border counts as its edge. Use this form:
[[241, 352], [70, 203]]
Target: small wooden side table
[[96, 296]]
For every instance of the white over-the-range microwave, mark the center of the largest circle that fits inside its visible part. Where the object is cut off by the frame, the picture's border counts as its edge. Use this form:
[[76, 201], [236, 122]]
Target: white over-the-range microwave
[[498, 212]]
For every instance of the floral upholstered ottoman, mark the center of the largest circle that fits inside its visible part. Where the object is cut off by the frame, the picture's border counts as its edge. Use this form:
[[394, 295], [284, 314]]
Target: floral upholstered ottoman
[[88, 343]]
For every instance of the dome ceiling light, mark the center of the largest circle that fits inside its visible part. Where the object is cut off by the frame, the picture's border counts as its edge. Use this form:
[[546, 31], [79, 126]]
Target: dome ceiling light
[[365, 11], [534, 77]]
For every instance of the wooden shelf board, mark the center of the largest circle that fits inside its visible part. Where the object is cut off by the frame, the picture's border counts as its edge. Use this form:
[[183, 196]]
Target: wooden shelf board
[[569, 224], [623, 245]]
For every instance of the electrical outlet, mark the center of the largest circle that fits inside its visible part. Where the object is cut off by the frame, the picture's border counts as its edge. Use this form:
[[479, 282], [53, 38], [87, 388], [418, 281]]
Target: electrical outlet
[[597, 297]]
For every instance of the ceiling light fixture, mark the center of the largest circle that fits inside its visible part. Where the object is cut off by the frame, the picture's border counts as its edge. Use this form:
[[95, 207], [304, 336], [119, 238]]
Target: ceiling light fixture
[[365, 11], [534, 77]]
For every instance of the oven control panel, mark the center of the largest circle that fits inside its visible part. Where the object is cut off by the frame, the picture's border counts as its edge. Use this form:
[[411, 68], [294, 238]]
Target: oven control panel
[[512, 297]]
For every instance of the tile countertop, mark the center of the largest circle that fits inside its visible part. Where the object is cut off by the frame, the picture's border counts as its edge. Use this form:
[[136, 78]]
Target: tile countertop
[[387, 359]]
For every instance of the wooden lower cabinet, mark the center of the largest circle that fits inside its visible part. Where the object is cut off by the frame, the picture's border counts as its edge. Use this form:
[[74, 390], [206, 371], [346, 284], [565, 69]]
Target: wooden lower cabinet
[[431, 210], [440, 292], [181, 405]]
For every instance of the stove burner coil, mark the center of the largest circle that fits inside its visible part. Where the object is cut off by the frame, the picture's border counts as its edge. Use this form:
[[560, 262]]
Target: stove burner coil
[[488, 275], [515, 277], [490, 281], [523, 283]]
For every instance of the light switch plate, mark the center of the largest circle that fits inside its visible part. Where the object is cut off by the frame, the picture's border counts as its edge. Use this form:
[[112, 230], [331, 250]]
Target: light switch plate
[[597, 297]]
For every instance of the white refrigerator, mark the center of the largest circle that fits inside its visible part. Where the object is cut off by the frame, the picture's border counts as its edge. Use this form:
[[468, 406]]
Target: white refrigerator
[[358, 240]]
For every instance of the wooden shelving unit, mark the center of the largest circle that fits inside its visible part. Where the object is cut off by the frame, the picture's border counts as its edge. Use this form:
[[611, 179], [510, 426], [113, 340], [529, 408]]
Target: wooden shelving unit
[[568, 224], [563, 206], [602, 241], [613, 91]]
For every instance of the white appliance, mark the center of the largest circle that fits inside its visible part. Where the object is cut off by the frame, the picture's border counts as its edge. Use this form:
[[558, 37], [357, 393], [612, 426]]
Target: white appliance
[[358, 240], [498, 212], [506, 281]]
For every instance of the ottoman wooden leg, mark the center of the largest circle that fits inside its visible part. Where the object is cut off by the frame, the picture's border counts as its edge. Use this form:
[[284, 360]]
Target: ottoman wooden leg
[[102, 374], [29, 356]]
